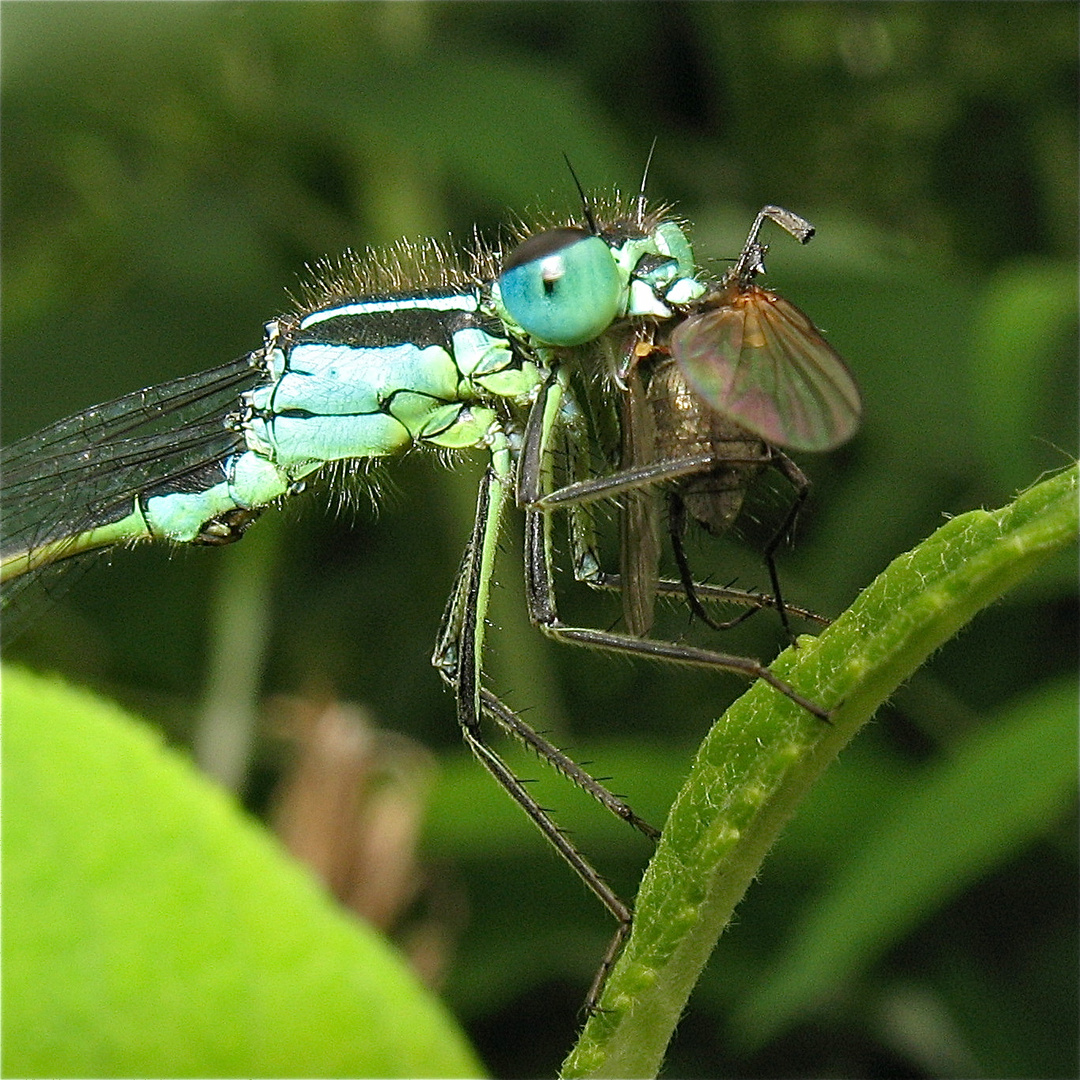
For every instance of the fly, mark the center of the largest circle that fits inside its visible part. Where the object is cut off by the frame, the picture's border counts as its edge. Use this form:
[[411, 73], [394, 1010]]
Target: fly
[[743, 376]]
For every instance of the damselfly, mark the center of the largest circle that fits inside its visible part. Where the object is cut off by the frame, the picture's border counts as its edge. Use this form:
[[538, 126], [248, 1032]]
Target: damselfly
[[601, 332]]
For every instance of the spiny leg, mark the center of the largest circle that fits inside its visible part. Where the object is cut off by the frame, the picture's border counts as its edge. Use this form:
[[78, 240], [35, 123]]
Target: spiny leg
[[510, 722], [580, 493], [458, 657]]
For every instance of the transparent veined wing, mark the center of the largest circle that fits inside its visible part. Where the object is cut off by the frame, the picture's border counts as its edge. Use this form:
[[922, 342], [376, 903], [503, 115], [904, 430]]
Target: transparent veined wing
[[758, 360], [81, 471]]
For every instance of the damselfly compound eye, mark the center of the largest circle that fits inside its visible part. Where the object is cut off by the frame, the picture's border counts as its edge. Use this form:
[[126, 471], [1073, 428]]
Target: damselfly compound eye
[[562, 286]]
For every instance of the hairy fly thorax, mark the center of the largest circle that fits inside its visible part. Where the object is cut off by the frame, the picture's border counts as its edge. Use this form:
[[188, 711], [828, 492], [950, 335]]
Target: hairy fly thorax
[[684, 426]]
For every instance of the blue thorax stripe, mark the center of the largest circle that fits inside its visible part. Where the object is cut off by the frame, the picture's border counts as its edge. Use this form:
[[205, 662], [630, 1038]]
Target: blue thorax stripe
[[469, 301]]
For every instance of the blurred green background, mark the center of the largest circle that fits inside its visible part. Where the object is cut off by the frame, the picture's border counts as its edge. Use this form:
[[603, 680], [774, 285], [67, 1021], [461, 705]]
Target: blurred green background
[[169, 169]]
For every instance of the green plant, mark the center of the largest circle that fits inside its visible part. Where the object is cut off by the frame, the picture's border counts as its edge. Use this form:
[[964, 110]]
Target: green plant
[[149, 928], [759, 760]]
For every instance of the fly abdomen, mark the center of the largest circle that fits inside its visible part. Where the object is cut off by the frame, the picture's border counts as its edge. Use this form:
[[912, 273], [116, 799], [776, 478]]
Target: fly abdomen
[[687, 427]]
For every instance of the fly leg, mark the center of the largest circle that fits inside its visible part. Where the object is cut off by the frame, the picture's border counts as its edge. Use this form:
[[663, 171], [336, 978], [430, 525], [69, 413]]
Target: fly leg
[[533, 485], [677, 515], [691, 588], [574, 496]]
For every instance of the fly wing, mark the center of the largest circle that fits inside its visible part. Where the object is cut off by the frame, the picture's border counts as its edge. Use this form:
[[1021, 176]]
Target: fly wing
[[640, 512], [759, 361]]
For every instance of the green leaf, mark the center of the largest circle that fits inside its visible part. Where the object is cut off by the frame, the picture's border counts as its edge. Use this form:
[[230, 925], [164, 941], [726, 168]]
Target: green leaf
[[761, 757], [150, 929]]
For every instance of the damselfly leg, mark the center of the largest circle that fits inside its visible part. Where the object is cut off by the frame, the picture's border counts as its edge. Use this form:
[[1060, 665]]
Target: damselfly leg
[[540, 589], [458, 657], [459, 651]]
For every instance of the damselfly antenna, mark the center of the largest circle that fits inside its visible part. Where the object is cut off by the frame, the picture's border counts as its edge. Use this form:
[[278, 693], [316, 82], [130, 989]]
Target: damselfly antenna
[[644, 180], [593, 227]]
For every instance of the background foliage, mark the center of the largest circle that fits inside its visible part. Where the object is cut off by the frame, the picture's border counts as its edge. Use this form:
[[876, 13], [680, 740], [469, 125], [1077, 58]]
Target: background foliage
[[169, 169]]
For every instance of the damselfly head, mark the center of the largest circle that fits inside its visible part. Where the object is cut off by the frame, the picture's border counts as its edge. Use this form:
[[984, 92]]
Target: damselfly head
[[568, 285]]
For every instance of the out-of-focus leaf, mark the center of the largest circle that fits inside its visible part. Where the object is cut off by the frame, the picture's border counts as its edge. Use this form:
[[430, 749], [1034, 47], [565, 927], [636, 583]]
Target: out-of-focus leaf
[[1021, 353], [150, 930]]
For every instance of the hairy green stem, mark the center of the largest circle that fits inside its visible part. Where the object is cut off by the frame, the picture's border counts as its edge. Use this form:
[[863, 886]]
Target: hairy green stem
[[760, 759]]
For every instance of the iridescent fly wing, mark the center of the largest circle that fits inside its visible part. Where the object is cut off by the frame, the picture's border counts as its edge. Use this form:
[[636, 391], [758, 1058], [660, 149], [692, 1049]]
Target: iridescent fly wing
[[758, 360]]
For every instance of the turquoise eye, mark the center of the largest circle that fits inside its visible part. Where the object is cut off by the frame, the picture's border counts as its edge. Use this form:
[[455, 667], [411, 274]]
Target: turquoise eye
[[562, 286]]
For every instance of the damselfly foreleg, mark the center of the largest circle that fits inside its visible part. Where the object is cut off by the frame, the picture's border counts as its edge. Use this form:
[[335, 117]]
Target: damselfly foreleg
[[458, 658], [533, 476]]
